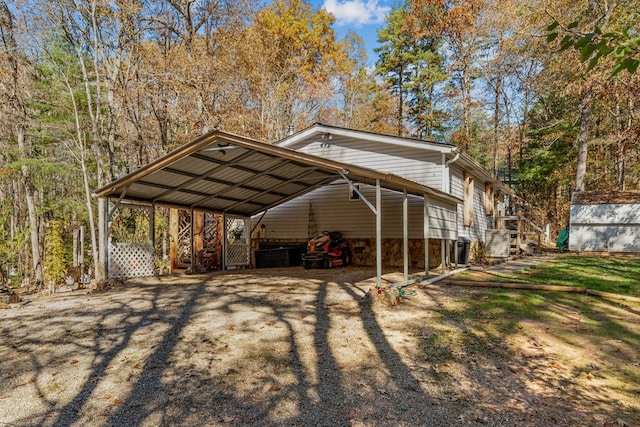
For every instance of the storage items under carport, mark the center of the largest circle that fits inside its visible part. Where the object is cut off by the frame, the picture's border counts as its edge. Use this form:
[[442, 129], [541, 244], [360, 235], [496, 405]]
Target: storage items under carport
[[279, 256]]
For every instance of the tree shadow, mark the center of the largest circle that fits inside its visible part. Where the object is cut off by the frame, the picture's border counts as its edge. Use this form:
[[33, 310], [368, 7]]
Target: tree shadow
[[537, 373], [262, 349], [148, 390]]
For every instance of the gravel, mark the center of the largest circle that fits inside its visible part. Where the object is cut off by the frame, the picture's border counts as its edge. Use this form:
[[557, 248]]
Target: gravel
[[272, 347]]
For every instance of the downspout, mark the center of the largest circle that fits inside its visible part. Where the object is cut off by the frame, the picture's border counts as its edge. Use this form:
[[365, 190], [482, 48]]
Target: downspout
[[448, 190], [446, 177], [457, 156]]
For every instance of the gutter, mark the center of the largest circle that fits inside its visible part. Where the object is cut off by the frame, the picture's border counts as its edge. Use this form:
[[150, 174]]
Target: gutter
[[455, 158]]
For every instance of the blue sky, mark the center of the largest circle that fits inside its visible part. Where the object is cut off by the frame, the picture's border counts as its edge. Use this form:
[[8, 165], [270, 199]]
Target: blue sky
[[364, 17]]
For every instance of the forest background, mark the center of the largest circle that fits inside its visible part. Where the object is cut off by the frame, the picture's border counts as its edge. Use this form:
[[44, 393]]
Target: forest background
[[90, 90]]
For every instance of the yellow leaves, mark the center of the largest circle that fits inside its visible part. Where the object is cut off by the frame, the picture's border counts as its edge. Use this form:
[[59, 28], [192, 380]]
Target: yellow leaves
[[435, 17], [293, 38], [7, 171]]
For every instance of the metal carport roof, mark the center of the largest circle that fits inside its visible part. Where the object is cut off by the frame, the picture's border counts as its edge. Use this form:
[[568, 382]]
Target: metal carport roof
[[238, 176], [225, 173]]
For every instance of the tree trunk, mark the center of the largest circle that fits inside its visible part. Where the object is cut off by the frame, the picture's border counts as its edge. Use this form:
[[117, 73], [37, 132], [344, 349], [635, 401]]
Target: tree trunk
[[496, 125], [400, 101], [621, 165], [17, 103], [585, 108], [430, 118], [586, 103], [34, 226], [622, 144]]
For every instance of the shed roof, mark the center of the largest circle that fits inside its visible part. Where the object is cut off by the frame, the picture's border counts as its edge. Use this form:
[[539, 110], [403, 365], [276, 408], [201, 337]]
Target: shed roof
[[605, 197], [226, 173]]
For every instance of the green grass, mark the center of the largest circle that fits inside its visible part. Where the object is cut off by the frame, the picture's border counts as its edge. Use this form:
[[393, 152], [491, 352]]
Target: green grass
[[565, 339], [616, 274], [604, 273]]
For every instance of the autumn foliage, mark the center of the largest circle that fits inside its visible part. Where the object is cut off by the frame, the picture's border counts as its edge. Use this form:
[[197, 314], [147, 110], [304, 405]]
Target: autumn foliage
[[92, 89]]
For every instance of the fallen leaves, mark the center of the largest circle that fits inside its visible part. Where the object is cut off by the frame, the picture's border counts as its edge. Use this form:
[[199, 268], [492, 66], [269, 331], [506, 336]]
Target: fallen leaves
[[29, 381], [115, 403]]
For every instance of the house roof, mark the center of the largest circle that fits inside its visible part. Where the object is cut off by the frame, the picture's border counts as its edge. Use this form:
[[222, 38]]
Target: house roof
[[340, 134], [605, 197], [226, 173]]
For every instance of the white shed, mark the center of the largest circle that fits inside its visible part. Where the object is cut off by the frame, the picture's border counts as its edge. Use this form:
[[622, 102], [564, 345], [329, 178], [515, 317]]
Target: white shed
[[605, 221]]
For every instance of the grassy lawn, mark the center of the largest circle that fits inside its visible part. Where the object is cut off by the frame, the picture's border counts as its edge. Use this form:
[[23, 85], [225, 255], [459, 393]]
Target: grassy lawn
[[617, 274], [582, 345]]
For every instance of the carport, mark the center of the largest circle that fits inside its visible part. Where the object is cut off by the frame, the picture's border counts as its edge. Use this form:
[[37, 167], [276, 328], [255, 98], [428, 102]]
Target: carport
[[238, 177]]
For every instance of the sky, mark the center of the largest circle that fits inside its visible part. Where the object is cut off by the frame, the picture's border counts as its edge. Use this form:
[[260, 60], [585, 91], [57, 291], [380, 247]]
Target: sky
[[363, 17]]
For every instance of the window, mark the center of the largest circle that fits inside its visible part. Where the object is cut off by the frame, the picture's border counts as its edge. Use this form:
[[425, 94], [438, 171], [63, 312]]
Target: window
[[467, 217], [353, 195]]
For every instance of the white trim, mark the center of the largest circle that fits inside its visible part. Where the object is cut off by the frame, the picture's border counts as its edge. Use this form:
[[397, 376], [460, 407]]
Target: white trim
[[378, 235], [355, 134], [426, 234], [405, 233]]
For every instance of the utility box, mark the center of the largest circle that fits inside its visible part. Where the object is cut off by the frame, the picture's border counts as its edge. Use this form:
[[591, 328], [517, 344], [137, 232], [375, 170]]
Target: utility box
[[498, 243]]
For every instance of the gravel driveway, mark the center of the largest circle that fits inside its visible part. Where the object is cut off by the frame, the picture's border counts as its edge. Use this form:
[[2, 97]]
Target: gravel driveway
[[265, 347]]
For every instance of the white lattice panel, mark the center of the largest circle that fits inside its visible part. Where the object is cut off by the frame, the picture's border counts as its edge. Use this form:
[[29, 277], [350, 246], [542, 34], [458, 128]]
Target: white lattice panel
[[130, 223], [238, 251], [131, 260], [238, 254]]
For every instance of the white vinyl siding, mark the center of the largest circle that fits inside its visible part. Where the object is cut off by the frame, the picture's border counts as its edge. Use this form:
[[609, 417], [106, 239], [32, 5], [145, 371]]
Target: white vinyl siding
[[410, 163], [457, 182], [605, 227], [333, 211], [480, 222], [476, 232]]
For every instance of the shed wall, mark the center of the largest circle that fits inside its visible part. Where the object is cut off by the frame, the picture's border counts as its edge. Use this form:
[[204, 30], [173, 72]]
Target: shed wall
[[605, 227]]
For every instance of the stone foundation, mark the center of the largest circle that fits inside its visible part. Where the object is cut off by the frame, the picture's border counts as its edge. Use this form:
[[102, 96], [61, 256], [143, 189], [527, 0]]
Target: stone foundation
[[364, 253]]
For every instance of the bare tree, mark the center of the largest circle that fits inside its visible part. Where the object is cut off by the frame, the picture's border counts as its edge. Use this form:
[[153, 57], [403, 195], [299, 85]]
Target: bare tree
[[14, 90]]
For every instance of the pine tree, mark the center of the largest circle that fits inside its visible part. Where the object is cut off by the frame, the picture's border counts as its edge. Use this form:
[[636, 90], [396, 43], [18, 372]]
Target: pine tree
[[394, 59], [412, 68]]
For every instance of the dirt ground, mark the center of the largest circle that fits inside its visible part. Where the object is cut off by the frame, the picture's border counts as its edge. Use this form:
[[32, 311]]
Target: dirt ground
[[278, 347]]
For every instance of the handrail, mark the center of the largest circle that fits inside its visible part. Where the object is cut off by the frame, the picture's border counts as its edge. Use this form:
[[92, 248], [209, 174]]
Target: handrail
[[521, 217], [537, 228]]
